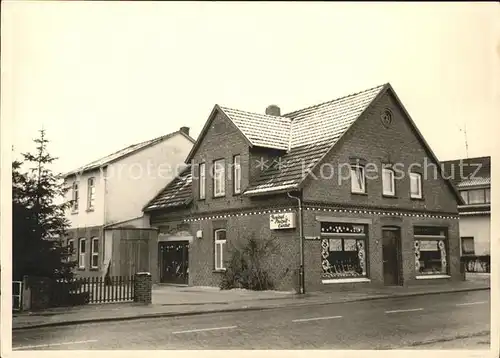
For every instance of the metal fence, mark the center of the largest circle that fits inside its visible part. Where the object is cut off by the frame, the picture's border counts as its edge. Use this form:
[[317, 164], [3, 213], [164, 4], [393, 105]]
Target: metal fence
[[17, 294], [474, 263], [103, 290]]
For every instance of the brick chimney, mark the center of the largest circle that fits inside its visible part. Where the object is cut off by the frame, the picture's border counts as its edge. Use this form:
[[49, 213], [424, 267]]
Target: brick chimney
[[185, 130], [273, 110]]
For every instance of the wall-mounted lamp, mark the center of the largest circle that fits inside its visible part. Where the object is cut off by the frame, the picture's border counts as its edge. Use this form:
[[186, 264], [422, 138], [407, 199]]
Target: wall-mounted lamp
[[199, 234]]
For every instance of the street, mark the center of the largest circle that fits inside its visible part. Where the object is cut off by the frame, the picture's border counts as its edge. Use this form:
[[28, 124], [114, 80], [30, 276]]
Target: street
[[409, 322]]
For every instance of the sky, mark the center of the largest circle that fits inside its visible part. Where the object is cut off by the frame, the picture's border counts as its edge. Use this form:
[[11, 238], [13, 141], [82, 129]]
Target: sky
[[99, 76]]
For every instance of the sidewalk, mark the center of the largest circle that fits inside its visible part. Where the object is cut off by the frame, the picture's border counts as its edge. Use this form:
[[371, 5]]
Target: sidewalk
[[178, 301]]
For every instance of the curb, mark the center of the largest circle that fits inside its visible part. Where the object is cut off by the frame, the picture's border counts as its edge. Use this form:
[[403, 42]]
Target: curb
[[244, 308]]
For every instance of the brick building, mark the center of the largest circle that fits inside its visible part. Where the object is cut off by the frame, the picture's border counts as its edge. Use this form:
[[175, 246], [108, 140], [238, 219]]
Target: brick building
[[349, 175]]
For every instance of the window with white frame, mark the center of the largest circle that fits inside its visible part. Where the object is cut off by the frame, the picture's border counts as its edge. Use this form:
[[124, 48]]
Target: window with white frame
[[201, 169], [468, 245], [219, 244], [236, 174], [343, 250], [415, 185], [388, 185], [91, 194], [81, 253], [75, 196], [358, 179], [94, 262], [219, 178], [430, 245]]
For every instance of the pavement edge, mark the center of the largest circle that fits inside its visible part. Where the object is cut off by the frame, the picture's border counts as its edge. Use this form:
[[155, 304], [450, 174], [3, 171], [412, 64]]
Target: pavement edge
[[244, 308]]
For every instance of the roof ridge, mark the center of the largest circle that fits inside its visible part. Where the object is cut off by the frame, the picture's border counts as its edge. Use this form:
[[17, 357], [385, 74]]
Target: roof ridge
[[335, 99], [260, 114], [145, 142]]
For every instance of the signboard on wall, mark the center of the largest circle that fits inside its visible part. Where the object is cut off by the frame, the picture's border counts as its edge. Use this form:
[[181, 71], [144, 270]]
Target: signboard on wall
[[426, 245], [279, 221]]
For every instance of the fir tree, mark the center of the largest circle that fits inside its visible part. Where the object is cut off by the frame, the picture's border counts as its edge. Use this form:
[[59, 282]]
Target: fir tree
[[39, 225]]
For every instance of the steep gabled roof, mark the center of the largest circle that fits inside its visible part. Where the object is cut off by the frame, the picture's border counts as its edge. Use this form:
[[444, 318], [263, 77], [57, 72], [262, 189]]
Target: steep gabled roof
[[122, 153], [177, 193], [468, 172], [315, 130]]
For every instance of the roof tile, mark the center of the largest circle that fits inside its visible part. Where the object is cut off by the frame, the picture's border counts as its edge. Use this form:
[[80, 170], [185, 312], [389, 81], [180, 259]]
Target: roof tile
[[177, 193]]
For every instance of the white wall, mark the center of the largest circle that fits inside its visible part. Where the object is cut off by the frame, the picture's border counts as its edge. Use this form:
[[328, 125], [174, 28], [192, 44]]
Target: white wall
[[84, 218], [135, 180], [479, 228]]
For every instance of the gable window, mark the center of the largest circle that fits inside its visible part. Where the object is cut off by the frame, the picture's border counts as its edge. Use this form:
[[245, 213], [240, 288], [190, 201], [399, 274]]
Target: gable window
[[236, 174], [94, 262], [358, 179], [75, 196], [388, 185], [219, 243], [415, 186], [219, 178], [467, 246], [343, 252], [81, 253], [430, 245], [202, 180], [91, 194]]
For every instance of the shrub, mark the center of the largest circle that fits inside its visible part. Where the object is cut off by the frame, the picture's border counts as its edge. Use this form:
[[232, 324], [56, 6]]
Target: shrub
[[246, 266]]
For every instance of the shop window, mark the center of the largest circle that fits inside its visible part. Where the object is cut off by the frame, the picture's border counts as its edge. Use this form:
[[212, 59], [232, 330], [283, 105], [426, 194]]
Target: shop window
[[343, 250], [430, 246]]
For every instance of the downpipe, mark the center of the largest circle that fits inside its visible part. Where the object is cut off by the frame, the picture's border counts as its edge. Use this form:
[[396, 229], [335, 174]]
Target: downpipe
[[302, 289]]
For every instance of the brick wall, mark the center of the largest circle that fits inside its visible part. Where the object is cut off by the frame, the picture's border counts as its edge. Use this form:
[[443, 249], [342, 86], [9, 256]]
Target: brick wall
[[201, 256], [88, 233], [143, 288]]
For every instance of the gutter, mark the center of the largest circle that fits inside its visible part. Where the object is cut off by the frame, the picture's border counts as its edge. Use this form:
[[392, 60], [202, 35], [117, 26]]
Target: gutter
[[301, 245]]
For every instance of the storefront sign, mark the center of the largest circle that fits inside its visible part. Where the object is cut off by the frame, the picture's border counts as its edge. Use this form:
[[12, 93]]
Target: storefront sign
[[335, 244], [282, 221], [428, 245]]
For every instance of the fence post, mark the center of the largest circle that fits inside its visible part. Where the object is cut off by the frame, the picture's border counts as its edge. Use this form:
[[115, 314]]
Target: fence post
[[462, 270], [143, 287]]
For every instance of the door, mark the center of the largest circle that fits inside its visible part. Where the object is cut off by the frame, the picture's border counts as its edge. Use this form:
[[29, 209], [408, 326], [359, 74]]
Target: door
[[391, 240], [174, 262]]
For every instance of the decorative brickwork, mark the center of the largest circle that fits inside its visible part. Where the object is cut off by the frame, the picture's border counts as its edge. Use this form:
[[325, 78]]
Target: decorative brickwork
[[142, 287]]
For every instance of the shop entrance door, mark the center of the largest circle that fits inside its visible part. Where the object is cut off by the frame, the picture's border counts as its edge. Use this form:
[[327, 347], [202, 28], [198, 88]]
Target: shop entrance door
[[391, 253], [173, 260]]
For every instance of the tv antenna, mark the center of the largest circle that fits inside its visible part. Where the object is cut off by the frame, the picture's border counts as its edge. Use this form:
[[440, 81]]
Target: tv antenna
[[464, 130]]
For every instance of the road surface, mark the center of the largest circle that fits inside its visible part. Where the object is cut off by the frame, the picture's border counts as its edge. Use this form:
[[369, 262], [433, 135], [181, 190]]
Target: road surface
[[423, 322]]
